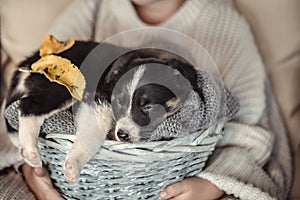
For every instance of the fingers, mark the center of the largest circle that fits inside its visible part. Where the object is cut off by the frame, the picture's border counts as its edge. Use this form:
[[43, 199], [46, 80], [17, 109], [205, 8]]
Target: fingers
[[183, 196], [40, 184], [40, 171], [191, 188], [52, 194], [173, 190], [26, 170]]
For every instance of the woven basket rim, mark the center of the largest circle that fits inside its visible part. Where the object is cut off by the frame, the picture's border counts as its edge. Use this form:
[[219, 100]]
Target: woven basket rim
[[195, 142], [195, 139]]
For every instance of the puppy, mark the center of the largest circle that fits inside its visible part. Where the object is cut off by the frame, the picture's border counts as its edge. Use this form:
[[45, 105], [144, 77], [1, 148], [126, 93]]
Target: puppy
[[134, 95]]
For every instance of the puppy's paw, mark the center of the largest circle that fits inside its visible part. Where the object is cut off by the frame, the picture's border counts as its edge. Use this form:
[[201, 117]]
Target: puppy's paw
[[71, 170], [31, 156]]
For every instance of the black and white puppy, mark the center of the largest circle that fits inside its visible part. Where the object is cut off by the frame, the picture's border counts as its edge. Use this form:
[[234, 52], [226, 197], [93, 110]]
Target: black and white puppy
[[134, 95]]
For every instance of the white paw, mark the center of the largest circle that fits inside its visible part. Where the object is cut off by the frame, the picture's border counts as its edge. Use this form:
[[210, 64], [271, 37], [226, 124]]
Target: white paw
[[71, 170], [31, 156]]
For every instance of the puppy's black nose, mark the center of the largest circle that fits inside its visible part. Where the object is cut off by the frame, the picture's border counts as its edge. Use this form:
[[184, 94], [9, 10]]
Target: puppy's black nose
[[123, 136]]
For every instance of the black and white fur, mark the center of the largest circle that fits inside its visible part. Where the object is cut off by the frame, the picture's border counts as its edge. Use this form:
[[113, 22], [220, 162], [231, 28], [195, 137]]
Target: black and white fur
[[134, 106], [39, 99]]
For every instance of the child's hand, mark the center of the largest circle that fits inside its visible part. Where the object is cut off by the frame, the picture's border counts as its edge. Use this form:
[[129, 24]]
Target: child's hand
[[191, 188], [40, 183]]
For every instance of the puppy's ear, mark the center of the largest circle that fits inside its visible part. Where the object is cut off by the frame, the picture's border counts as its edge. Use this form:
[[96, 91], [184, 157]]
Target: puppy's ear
[[172, 106]]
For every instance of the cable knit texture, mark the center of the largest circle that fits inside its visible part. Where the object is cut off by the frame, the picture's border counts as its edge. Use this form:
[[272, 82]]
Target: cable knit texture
[[12, 186], [253, 160]]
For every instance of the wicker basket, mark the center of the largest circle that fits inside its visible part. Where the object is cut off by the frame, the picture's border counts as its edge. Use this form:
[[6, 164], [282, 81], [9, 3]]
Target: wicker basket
[[122, 170], [130, 171]]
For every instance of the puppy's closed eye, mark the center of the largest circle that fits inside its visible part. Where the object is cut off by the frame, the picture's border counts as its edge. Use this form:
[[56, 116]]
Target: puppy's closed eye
[[145, 103], [172, 106], [147, 107]]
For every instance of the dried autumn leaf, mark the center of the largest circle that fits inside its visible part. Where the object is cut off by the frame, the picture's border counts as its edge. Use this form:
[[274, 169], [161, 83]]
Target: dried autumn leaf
[[61, 71]]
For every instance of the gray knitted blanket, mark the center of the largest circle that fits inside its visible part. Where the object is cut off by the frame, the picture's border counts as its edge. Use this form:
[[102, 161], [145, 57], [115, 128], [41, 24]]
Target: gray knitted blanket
[[196, 114], [13, 186]]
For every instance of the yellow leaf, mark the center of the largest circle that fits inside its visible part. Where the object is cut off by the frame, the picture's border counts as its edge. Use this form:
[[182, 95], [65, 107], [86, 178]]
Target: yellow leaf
[[61, 71]]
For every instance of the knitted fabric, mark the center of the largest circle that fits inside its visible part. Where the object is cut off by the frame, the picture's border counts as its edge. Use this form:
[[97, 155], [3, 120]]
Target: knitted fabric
[[217, 106], [62, 122], [13, 187]]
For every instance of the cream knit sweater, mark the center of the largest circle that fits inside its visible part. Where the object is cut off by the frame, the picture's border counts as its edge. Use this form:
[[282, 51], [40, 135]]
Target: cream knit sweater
[[253, 160]]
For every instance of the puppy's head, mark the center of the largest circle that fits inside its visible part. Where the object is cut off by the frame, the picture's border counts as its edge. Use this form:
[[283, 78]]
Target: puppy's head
[[144, 97]]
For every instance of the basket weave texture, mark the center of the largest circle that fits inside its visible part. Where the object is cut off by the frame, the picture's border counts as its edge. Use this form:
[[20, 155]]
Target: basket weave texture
[[139, 171], [122, 170], [130, 171]]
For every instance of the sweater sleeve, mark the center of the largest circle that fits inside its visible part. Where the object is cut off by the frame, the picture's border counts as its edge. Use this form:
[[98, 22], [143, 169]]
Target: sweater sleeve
[[237, 166], [76, 21]]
